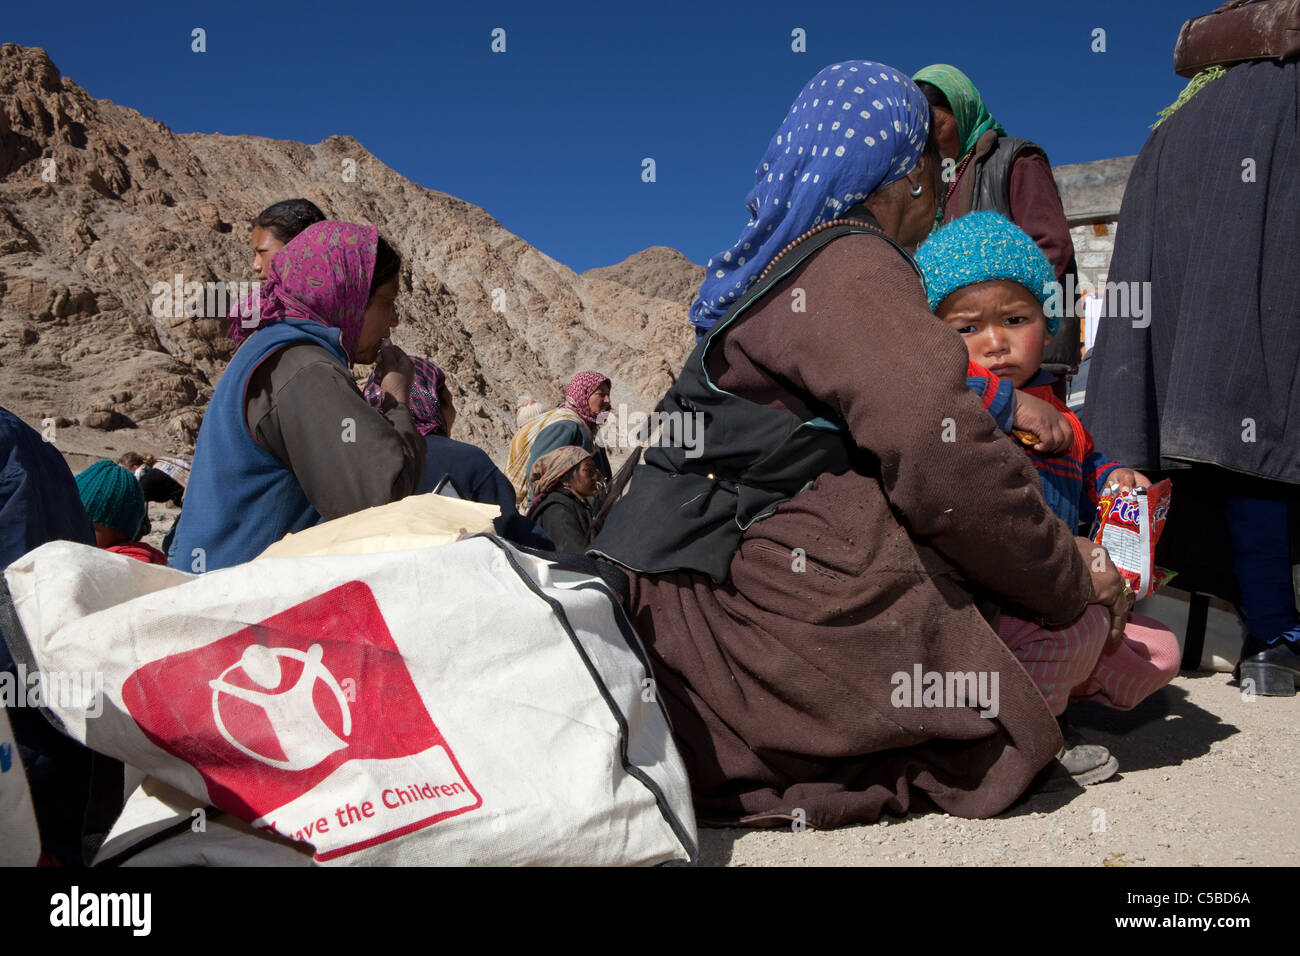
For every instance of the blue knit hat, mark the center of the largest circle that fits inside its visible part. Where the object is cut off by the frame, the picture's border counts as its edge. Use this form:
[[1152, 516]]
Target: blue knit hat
[[112, 497], [981, 247]]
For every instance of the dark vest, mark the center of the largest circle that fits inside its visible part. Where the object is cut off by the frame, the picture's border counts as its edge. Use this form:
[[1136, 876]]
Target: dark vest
[[992, 172], [689, 513]]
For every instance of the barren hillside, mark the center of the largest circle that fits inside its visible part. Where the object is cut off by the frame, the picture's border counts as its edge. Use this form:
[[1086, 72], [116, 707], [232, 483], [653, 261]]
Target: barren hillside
[[98, 204]]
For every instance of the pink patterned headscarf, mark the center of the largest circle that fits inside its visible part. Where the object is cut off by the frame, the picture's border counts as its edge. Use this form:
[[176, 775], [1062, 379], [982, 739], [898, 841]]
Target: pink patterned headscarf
[[549, 470], [426, 410], [577, 394], [323, 274]]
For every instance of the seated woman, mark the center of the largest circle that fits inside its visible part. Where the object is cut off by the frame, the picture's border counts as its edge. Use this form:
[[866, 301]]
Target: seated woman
[[816, 589], [573, 422], [467, 468], [288, 440], [562, 481]]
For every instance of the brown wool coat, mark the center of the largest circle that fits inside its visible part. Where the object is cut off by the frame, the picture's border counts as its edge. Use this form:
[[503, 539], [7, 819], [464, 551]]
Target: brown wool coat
[[779, 683]]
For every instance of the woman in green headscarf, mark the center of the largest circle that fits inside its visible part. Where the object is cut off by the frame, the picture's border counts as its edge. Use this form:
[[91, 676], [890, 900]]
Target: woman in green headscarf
[[993, 171]]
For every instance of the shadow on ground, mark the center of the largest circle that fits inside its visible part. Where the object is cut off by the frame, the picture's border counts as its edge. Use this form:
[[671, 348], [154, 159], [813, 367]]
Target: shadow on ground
[[1165, 730], [716, 846]]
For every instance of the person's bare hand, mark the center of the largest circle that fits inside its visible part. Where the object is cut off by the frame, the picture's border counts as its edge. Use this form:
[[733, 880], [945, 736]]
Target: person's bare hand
[[1126, 479], [1050, 427], [1109, 587], [394, 373]]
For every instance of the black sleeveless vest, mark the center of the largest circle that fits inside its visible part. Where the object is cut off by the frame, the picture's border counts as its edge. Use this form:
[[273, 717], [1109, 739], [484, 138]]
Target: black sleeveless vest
[[992, 173], [688, 513]]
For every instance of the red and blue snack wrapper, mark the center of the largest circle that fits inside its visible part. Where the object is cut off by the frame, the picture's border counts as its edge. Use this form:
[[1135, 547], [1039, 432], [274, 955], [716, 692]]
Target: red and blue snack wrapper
[[1128, 527]]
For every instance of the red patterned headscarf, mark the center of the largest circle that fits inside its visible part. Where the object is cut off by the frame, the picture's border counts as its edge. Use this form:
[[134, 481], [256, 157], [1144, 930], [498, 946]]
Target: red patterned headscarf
[[577, 395], [426, 410], [324, 274]]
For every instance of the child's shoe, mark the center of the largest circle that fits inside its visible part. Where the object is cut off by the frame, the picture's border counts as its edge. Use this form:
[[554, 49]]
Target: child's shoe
[[1078, 764]]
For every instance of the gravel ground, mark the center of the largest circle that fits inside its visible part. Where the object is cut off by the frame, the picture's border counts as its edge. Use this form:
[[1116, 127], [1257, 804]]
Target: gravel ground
[[1207, 778]]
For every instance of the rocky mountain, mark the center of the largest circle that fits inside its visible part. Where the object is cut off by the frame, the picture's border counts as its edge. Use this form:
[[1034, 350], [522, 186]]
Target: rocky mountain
[[660, 272], [99, 205]]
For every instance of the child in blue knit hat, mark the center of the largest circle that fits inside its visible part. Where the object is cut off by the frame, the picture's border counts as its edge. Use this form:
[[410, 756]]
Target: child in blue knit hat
[[989, 281]]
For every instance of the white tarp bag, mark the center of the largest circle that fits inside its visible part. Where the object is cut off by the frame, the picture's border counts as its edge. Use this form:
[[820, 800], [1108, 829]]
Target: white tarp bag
[[462, 704], [20, 842]]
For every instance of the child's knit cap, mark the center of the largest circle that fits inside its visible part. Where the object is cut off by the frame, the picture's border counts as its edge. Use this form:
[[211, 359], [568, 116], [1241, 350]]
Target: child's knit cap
[[112, 497], [981, 247]]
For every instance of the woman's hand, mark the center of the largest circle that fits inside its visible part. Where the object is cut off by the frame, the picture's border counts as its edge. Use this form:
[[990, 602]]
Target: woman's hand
[[1053, 430], [394, 372], [1127, 479], [1109, 588]]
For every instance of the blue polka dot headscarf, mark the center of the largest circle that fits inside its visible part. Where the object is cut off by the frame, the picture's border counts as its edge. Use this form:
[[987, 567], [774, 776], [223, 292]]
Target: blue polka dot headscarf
[[981, 247], [855, 127]]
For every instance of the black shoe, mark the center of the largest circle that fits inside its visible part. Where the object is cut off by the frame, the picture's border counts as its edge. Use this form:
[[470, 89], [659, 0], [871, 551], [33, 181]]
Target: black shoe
[[1272, 669]]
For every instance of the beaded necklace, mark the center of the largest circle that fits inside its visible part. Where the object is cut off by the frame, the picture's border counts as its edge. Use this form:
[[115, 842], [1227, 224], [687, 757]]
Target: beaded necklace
[[812, 232]]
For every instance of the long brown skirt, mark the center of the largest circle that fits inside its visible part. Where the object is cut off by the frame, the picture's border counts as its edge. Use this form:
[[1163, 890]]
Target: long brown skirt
[[784, 687]]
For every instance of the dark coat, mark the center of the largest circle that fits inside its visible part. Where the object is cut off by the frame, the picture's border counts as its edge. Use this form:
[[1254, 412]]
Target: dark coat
[[566, 518], [39, 503], [470, 469], [1209, 219]]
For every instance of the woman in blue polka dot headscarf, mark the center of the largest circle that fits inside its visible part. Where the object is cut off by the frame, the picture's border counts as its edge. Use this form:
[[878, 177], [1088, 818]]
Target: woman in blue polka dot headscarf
[[828, 504], [855, 127]]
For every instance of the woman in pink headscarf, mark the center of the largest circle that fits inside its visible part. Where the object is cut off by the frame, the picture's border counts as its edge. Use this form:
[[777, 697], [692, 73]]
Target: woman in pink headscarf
[[573, 422], [288, 440]]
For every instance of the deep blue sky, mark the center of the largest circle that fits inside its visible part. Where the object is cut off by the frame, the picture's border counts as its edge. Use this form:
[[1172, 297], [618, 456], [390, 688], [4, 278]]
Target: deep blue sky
[[549, 136]]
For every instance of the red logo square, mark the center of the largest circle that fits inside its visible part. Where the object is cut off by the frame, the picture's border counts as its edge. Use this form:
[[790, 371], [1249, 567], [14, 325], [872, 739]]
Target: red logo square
[[269, 713]]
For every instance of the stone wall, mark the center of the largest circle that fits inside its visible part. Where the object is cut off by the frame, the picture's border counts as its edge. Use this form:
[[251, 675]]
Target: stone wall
[[1092, 193]]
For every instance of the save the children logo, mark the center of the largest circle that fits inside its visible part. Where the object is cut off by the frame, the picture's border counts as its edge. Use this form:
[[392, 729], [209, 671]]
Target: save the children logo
[[299, 729], [263, 716]]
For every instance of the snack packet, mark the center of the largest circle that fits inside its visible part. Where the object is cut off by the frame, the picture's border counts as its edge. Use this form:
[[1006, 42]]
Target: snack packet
[[1128, 527]]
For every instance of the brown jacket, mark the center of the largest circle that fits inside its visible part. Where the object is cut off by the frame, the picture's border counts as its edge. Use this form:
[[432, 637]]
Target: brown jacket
[[779, 683]]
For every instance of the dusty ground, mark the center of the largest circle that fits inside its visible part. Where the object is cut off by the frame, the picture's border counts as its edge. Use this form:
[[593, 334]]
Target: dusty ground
[[1207, 778]]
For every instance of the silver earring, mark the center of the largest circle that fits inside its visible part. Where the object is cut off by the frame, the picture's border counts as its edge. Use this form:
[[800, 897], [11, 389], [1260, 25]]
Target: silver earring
[[917, 191]]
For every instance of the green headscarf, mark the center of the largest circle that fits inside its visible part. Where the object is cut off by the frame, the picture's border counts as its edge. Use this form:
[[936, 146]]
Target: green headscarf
[[973, 117]]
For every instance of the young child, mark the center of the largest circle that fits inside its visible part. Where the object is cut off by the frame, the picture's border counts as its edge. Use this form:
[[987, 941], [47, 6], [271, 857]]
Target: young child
[[116, 506], [989, 281]]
